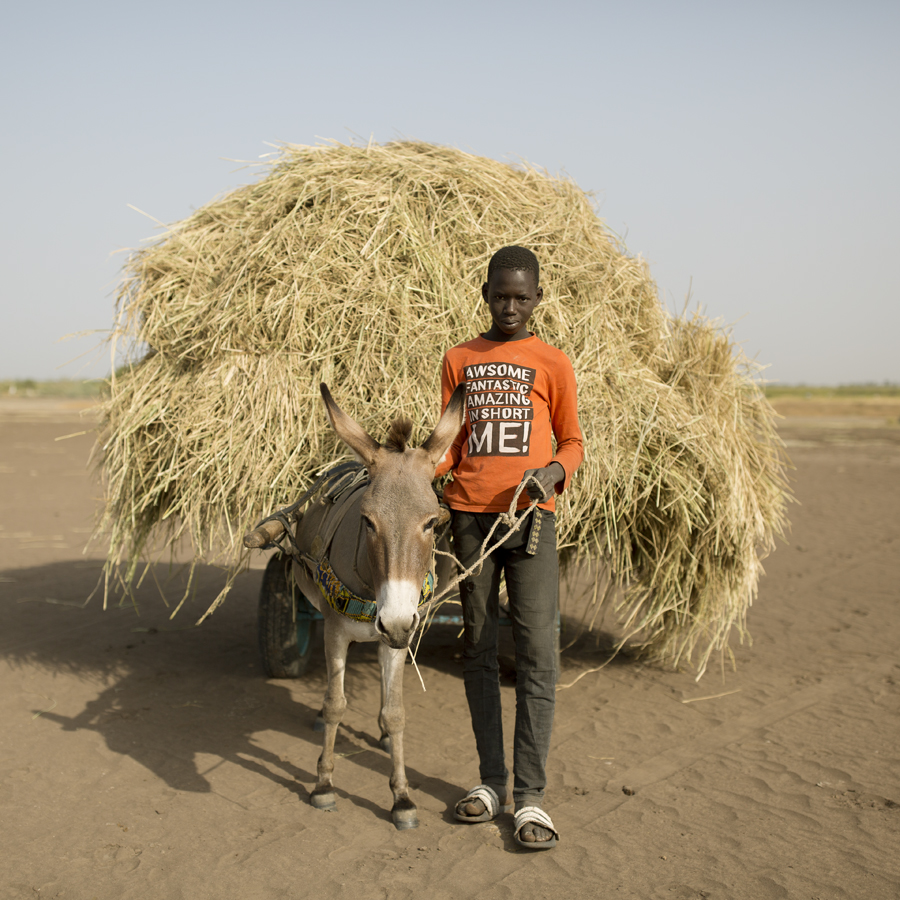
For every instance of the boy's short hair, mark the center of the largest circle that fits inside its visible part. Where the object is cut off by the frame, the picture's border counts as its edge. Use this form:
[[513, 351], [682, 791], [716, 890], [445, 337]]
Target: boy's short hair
[[514, 257]]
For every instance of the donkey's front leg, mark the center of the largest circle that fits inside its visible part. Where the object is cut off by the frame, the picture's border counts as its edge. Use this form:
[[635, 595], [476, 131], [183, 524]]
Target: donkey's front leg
[[336, 644], [393, 721]]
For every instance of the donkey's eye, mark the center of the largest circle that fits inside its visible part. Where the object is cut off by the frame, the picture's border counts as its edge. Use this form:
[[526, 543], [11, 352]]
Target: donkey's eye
[[429, 525], [369, 524]]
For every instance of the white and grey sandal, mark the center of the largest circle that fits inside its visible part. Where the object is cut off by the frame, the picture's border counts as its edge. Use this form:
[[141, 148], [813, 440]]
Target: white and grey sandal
[[533, 815], [488, 796]]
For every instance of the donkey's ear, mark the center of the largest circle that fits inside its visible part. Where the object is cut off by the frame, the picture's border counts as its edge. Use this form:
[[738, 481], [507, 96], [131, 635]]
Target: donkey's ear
[[447, 429], [350, 431]]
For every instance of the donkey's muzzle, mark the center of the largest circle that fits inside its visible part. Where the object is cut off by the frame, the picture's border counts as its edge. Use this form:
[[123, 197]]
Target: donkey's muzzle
[[398, 616], [397, 635]]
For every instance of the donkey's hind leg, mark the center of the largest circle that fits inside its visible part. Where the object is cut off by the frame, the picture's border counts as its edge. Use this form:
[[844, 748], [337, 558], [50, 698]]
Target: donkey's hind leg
[[336, 644], [393, 721]]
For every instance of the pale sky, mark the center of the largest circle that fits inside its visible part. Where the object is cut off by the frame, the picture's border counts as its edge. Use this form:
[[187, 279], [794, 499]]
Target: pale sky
[[749, 152]]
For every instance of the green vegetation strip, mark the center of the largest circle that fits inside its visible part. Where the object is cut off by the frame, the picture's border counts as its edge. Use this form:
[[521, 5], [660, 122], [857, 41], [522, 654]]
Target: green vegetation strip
[[64, 387], [855, 391]]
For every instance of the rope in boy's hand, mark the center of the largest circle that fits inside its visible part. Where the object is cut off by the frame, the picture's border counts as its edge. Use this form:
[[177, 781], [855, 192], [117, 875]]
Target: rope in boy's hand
[[512, 522]]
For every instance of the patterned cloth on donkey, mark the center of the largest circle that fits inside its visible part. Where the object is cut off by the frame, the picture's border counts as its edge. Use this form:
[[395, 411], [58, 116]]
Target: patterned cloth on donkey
[[344, 601]]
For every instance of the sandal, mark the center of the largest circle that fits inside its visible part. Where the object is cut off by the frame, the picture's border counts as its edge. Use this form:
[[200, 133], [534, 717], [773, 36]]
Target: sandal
[[488, 796], [533, 815]]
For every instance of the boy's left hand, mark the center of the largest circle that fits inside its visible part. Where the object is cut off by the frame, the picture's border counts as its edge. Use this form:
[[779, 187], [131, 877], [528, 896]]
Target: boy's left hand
[[548, 477]]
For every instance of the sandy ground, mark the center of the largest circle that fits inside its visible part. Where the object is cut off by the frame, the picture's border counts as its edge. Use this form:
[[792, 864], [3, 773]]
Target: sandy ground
[[144, 758]]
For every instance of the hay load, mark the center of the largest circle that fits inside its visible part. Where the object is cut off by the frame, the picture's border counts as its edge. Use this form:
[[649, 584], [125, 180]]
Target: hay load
[[359, 266]]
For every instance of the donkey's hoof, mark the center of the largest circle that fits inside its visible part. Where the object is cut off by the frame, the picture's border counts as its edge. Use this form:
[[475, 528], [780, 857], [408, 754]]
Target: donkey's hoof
[[323, 800], [405, 815]]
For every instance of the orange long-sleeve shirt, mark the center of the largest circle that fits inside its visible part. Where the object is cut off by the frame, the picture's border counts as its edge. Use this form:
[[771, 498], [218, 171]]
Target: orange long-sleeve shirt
[[519, 395]]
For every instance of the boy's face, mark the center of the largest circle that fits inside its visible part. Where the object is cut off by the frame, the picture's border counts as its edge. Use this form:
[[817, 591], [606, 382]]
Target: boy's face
[[511, 296]]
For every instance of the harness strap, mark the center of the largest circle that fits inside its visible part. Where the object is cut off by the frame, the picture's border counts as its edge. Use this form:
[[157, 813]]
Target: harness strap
[[341, 502], [343, 474], [535, 534]]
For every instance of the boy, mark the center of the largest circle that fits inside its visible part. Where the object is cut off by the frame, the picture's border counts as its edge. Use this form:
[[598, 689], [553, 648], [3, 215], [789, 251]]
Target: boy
[[518, 391]]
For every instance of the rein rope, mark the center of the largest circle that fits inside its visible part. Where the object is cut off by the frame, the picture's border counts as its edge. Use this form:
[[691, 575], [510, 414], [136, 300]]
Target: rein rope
[[507, 518], [511, 521]]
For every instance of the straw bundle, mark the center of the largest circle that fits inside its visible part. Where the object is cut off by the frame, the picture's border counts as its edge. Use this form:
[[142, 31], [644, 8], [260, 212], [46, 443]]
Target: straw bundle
[[360, 266]]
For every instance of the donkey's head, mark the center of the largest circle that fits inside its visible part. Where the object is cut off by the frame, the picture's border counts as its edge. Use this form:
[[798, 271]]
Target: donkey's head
[[400, 510]]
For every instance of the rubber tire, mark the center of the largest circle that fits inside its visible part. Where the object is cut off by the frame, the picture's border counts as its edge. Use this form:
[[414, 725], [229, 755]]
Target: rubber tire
[[285, 642]]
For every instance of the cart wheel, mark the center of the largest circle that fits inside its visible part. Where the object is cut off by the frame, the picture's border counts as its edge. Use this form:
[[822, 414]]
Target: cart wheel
[[285, 640]]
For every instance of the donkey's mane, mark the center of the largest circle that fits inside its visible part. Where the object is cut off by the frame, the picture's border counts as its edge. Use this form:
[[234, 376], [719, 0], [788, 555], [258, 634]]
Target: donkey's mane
[[398, 436]]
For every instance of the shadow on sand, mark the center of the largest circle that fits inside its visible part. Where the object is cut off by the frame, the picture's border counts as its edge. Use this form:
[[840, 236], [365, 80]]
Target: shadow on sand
[[170, 692]]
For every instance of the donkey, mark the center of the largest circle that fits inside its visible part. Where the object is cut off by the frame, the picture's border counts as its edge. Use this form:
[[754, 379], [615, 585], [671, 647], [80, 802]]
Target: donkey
[[381, 548]]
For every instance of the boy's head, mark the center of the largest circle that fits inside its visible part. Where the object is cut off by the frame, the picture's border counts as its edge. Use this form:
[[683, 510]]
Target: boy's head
[[517, 258], [511, 292]]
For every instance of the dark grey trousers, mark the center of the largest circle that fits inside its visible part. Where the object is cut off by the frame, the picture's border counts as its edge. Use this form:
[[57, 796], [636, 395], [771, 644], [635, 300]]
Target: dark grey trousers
[[533, 588]]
